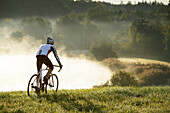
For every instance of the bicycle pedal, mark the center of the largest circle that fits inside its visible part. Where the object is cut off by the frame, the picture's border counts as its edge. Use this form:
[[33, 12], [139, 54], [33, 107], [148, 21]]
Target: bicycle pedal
[[50, 85], [33, 87]]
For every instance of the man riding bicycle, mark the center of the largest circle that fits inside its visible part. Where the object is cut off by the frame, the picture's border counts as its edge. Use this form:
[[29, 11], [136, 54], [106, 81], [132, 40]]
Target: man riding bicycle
[[42, 57]]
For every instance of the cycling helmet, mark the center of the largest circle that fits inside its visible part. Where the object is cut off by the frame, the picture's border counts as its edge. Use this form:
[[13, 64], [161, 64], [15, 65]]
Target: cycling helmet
[[50, 40]]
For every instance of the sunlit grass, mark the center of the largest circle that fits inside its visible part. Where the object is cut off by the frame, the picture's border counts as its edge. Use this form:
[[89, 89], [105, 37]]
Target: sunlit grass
[[109, 99]]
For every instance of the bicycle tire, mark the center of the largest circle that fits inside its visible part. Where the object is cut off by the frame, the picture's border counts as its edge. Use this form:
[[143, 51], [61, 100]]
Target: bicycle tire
[[31, 92], [55, 83]]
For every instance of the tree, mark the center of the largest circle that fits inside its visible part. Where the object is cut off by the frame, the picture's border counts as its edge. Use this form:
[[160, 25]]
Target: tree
[[129, 3], [167, 40], [37, 27], [75, 33], [102, 50], [100, 13], [145, 36], [17, 36], [121, 2]]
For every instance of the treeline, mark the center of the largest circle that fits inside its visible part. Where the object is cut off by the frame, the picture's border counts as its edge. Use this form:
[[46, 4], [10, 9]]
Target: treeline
[[106, 30], [54, 8]]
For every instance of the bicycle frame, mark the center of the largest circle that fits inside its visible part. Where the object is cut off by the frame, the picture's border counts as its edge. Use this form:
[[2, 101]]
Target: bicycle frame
[[40, 75], [36, 82]]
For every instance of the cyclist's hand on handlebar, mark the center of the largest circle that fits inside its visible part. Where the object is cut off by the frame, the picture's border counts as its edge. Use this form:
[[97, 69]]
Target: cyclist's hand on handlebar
[[61, 66]]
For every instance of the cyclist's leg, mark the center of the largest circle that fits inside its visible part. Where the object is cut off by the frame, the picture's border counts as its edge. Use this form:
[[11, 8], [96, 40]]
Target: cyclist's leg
[[49, 64], [39, 65], [49, 72]]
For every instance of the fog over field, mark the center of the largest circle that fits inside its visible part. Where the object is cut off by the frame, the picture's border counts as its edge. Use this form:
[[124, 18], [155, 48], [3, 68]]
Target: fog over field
[[18, 64], [77, 72]]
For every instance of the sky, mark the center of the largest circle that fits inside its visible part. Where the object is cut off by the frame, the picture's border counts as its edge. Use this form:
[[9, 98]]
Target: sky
[[133, 1]]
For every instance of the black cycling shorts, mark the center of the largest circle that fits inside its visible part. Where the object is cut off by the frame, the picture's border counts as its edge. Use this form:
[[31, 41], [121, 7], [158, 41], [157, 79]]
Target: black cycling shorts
[[42, 59]]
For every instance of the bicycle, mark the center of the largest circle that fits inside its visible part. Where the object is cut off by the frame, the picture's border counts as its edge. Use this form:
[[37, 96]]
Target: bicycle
[[35, 84]]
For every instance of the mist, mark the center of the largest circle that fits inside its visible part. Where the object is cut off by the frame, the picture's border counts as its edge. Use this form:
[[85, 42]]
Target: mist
[[77, 72], [18, 63]]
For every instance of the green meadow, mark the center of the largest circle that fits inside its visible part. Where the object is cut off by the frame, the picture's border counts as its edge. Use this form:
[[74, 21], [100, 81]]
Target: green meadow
[[150, 99]]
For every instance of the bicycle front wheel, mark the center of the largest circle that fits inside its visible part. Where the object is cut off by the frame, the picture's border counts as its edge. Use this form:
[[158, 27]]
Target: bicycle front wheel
[[53, 83], [32, 86]]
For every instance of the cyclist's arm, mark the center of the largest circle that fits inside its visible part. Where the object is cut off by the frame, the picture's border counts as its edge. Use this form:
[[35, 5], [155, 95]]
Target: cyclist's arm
[[56, 55]]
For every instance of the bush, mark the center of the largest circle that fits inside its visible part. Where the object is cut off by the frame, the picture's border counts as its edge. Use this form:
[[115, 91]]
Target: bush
[[154, 77], [102, 50], [123, 78], [153, 74]]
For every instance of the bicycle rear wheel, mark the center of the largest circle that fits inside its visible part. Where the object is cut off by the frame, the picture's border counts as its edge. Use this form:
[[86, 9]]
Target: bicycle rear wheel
[[53, 83], [32, 86]]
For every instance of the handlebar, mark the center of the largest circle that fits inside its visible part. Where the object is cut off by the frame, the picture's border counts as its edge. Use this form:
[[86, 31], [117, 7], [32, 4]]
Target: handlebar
[[54, 66], [57, 66]]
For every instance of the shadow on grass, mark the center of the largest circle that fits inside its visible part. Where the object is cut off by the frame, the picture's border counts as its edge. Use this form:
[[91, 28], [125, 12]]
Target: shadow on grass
[[73, 102]]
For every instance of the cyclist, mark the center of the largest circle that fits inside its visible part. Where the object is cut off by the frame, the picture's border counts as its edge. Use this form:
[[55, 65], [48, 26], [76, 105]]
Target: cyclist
[[42, 57]]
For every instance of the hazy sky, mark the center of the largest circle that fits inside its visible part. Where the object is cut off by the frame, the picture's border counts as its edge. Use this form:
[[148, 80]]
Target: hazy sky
[[133, 1]]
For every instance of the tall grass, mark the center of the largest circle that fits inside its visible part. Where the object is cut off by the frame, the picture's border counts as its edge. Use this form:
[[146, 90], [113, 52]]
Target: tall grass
[[96, 100]]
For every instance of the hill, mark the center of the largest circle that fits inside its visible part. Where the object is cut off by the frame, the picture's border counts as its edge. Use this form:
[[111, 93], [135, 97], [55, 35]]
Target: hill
[[146, 72], [54, 8], [97, 100]]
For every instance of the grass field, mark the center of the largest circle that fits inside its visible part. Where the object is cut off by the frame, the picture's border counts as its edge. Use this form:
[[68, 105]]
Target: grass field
[[96, 100]]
